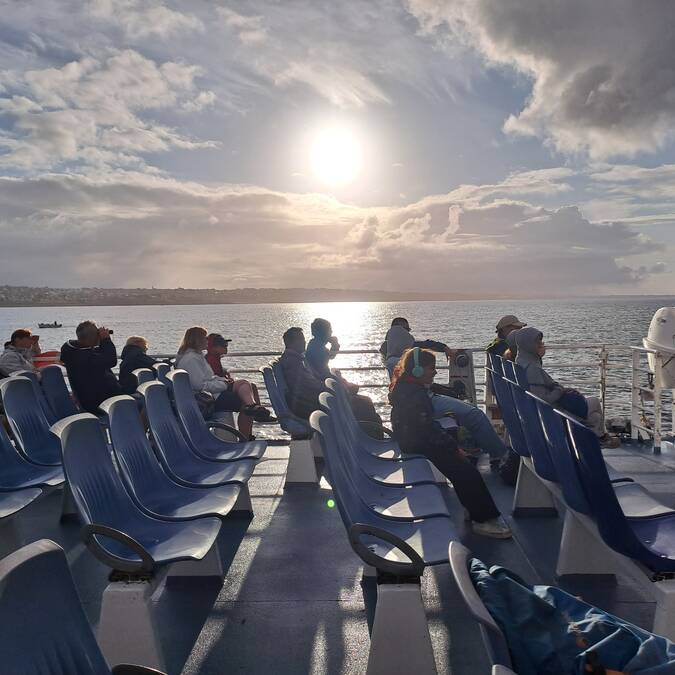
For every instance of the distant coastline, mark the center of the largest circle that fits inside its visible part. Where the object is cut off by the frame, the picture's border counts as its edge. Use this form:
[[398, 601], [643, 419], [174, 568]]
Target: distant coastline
[[28, 296]]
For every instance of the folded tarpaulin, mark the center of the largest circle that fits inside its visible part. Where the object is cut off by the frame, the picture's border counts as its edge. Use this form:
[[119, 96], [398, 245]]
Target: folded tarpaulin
[[550, 632]]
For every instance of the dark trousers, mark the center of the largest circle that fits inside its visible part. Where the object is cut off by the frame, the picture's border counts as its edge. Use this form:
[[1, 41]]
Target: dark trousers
[[467, 481], [365, 413]]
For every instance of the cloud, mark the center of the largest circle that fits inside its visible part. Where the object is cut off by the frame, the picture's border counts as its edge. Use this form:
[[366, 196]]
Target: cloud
[[602, 72], [130, 228], [95, 110]]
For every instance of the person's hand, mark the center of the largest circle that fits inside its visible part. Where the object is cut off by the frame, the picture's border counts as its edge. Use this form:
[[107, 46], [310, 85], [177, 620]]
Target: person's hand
[[35, 348], [450, 353], [352, 388], [104, 333], [334, 344]]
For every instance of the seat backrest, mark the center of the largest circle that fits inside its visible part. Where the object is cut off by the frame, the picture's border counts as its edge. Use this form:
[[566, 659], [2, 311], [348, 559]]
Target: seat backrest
[[162, 370], [277, 390], [189, 414], [140, 471], [504, 396], [56, 392], [98, 491], [28, 422], [34, 378], [606, 510], [49, 631], [493, 638], [555, 435], [143, 375], [173, 449], [532, 431], [346, 420]]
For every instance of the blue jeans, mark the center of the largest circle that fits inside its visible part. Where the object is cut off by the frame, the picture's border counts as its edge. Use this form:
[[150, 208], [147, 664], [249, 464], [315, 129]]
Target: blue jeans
[[474, 419]]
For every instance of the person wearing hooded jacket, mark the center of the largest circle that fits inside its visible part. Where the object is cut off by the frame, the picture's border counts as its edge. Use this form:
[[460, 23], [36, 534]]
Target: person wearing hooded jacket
[[134, 356], [531, 349], [418, 432]]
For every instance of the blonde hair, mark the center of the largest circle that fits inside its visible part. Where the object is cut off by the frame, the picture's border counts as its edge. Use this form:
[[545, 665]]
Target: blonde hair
[[193, 339], [138, 341]]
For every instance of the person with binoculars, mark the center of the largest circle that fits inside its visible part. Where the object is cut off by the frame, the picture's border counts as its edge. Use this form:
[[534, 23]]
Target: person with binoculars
[[19, 352], [89, 361]]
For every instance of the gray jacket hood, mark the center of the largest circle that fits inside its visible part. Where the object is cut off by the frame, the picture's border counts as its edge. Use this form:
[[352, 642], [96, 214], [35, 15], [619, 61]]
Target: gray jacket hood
[[398, 339], [526, 340]]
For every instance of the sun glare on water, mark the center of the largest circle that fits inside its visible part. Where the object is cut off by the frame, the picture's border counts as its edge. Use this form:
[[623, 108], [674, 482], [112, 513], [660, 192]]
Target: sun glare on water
[[335, 156]]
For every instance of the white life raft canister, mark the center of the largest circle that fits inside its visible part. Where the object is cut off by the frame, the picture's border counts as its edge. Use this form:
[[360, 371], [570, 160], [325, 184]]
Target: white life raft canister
[[661, 338]]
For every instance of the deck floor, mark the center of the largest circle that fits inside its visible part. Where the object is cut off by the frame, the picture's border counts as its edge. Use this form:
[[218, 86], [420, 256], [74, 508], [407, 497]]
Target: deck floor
[[293, 600]]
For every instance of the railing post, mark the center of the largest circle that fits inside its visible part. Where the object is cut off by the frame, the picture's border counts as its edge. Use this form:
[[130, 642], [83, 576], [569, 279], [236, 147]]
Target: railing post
[[604, 360], [657, 402], [635, 396]]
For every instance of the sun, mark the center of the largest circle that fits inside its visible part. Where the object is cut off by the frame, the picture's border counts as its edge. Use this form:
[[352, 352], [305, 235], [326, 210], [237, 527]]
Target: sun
[[336, 156]]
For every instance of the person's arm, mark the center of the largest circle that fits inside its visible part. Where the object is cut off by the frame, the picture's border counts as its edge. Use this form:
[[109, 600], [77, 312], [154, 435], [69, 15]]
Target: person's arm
[[103, 356], [431, 344], [145, 361], [383, 349], [541, 384], [415, 413]]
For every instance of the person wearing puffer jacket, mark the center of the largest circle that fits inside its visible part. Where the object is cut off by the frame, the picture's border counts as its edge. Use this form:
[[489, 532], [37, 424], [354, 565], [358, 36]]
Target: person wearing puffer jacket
[[531, 349]]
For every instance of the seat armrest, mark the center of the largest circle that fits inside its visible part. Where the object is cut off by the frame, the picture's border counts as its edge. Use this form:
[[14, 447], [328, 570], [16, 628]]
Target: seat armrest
[[414, 568], [88, 532], [226, 427], [129, 669]]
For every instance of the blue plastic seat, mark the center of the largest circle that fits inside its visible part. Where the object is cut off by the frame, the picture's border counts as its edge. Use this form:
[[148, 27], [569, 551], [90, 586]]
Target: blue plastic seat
[[530, 424], [175, 453], [50, 632], [162, 370], [49, 414], [649, 540], [56, 392], [494, 640], [398, 547], [383, 449], [196, 429], [391, 501], [12, 501], [17, 472], [295, 426], [502, 392], [28, 423], [115, 530], [149, 486], [143, 375]]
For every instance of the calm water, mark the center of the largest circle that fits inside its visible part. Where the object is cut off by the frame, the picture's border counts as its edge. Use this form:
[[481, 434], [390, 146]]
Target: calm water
[[361, 325]]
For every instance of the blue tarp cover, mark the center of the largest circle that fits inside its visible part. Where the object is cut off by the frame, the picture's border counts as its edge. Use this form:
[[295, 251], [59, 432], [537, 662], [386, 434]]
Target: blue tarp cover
[[550, 632]]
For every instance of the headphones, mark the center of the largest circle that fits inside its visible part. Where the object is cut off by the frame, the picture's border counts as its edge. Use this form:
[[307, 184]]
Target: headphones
[[417, 370]]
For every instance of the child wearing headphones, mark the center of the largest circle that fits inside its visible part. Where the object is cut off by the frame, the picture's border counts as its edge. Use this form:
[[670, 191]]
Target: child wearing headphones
[[418, 432]]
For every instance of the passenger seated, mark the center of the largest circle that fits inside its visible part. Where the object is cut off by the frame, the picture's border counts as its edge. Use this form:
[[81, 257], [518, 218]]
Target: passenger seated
[[134, 356], [304, 386], [19, 352], [318, 355], [418, 432], [505, 326], [88, 361], [531, 349], [202, 378], [399, 338]]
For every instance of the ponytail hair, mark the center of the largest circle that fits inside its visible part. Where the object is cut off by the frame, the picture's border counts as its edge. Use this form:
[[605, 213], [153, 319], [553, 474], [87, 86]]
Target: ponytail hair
[[406, 363]]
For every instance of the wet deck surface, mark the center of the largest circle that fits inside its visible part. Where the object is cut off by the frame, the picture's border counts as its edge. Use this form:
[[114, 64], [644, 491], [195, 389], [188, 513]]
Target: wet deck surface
[[293, 600]]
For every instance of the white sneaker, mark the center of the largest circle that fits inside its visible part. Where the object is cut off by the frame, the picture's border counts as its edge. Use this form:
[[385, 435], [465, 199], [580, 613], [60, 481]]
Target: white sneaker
[[495, 528]]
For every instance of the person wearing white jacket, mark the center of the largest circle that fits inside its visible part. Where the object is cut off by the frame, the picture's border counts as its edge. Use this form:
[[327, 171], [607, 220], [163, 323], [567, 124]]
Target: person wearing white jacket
[[202, 378]]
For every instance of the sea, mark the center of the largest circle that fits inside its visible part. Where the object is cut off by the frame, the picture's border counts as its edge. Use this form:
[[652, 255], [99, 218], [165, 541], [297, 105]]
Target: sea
[[612, 321]]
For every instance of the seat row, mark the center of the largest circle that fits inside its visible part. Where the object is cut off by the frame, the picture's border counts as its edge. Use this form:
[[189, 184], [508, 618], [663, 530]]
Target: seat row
[[611, 523], [149, 508]]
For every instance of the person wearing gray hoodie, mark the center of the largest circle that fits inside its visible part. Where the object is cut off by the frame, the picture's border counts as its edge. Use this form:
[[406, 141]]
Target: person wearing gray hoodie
[[531, 349]]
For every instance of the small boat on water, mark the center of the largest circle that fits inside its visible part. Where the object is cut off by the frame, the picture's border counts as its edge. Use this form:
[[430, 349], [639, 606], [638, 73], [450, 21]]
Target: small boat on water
[[50, 325]]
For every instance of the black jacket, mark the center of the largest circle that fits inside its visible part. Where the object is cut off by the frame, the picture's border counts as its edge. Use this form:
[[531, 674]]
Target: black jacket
[[133, 357], [412, 420], [303, 386], [90, 374]]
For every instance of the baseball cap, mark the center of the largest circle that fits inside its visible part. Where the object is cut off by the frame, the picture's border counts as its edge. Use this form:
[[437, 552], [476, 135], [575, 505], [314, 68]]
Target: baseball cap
[[218, 340], [510, 320]]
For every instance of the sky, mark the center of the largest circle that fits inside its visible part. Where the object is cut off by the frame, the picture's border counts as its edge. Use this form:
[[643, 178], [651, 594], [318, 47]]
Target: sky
[[456, 146]]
